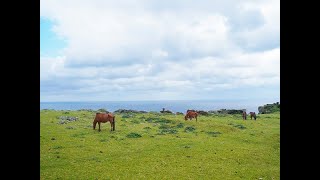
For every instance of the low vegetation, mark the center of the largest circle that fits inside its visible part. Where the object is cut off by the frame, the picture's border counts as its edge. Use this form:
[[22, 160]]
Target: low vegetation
[[269, 108], [159, 146]]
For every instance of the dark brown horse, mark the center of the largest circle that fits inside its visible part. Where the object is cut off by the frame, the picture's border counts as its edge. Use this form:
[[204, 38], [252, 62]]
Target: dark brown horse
[[244, 115], [102, 118], [191, 114], [253, 114]]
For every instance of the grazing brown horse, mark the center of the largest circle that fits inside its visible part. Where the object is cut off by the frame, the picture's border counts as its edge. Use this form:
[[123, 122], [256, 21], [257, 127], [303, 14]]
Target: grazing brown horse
[[102, 118], [253, 114], [191, 114], [244, 115]]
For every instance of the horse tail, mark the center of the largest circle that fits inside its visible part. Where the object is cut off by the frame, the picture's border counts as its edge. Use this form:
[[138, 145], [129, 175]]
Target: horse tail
[[196, 117], [114, 122]]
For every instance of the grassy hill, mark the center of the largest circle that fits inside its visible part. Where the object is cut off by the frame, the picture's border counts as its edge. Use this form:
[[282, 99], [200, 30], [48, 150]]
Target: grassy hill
[[159, 146], [269, 108]]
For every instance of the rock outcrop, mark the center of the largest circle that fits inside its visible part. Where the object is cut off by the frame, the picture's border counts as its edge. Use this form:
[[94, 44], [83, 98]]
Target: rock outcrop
[[205, 113], [227, 111], [67, 119], [166, 111], [269, 108], [128, 111]]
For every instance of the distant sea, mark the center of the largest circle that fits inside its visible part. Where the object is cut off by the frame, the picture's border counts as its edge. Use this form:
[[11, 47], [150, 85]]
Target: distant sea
[[172, 105]]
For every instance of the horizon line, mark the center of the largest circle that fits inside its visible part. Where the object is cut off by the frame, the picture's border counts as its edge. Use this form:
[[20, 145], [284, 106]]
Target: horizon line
[[161, 100]]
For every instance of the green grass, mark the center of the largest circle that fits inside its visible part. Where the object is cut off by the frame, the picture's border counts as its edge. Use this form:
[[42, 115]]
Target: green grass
[[159, 146]]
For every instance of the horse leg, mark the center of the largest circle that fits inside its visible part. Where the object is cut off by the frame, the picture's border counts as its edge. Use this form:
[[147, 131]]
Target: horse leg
[[94, 125], [196, 119], [112, 126], [99, 126], [114, 123]]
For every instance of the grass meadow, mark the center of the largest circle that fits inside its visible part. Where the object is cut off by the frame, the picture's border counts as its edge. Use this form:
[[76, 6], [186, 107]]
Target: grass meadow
[[159, 146]]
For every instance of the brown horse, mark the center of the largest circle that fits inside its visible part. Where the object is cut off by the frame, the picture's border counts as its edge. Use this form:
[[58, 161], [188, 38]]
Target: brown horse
[[102, 118], [191, 114], [244, 115], [253, 114]]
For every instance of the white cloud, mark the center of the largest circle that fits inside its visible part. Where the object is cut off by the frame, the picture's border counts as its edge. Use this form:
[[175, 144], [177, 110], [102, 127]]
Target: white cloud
[[131, 50], [50, 66], [158, 53]]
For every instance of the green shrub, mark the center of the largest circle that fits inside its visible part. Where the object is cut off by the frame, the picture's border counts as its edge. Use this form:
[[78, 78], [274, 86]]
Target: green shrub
[[133, 135], [189, 129], [240, 126], [102, 110], [158, 120], [213, 133], [180, 125], [168, 131]]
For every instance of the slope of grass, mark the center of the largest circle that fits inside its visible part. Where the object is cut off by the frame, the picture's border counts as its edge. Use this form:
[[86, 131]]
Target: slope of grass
[[157, 146]]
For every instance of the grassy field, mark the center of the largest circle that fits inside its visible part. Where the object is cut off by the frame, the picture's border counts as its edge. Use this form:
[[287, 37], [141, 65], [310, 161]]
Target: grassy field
[[159, 146]]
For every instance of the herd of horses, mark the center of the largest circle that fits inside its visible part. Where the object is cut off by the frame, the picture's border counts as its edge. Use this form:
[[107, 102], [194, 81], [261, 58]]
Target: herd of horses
[[252, 114], [109, 117]]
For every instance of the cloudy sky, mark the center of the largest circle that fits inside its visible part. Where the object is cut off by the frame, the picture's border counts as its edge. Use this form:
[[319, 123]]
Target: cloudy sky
[[103, 50]]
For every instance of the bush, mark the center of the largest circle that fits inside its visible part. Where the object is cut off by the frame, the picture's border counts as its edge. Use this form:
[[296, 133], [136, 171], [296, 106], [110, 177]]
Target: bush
[[213, 133], [126, 116], [180, 125], [103, 110], [158, 120], [240, 126], [168, 131], [164, 126], [204, 113], [135, 121], [189, 129], [269, 108], [133, 135]]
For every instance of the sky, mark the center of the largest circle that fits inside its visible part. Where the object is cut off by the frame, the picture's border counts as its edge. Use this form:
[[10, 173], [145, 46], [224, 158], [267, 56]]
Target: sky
[[128, 50]]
